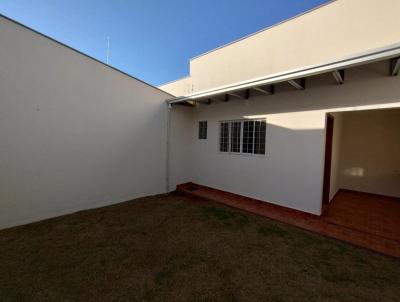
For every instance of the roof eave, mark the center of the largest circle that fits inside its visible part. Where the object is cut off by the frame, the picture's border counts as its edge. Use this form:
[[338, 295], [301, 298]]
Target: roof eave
[[375, 55]]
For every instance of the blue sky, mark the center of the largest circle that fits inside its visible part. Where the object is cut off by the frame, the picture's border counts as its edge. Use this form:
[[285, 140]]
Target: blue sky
[[151, 39]]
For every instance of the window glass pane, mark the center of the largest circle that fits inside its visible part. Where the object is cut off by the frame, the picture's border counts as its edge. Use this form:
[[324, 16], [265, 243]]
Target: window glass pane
[[248, 137], [200, 130], [259, 137], [235, 137], [224, 137]]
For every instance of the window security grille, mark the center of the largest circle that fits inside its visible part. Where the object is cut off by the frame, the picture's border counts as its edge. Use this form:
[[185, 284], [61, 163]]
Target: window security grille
[[243, 137]]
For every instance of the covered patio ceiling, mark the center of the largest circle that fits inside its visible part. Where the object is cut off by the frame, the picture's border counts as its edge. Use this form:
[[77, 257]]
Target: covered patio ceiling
[[296, 78]]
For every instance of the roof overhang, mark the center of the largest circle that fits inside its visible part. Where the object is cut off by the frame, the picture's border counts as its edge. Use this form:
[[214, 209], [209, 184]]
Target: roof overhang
[[296, 77]]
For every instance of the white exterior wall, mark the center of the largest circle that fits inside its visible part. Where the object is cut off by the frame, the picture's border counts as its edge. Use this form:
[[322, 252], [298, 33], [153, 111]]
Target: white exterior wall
[[370, 152], [180, 146], [178, 87], [291, 173], [336, 30], [74, 133]]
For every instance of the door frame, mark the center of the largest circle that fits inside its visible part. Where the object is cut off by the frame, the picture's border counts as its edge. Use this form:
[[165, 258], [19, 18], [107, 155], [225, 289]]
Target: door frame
[[330, 121]]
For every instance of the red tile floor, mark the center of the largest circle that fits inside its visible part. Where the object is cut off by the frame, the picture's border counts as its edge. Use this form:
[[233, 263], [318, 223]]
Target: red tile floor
[[362, 219]]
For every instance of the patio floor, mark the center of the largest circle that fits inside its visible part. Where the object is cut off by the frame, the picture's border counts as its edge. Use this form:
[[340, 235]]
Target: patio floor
[[362, 219], [372, 214]]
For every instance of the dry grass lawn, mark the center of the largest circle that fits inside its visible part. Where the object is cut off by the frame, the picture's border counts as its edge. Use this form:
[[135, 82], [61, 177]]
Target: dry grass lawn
[[171, 248]]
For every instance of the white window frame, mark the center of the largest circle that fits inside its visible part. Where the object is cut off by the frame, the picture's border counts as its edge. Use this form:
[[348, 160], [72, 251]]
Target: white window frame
[[241, 136]]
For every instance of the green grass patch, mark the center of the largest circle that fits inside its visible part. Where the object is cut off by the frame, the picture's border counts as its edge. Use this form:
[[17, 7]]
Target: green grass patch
[[171, 248], [162, 276], [272, 230], [226, 216]]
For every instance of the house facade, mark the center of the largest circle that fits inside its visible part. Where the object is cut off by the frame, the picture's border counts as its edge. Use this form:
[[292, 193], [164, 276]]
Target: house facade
[[288, 115], [268, 100]]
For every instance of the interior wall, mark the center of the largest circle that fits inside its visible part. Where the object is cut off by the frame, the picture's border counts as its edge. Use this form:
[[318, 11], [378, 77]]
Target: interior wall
[[74, 133], [370, 152], [291, 173]]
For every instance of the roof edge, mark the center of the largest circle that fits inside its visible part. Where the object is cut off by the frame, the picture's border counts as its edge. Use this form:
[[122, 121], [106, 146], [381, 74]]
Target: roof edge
[[379, 54], [81, 53], [263, 29], [173, 81]]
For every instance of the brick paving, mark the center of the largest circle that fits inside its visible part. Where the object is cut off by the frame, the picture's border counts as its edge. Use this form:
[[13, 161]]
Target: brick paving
[[366, 220]]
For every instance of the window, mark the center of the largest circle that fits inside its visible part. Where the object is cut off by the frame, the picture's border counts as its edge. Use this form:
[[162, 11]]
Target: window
[[245, 137], [235, 137], [259, 136], [224, 137], [248, 137], [203, 130]]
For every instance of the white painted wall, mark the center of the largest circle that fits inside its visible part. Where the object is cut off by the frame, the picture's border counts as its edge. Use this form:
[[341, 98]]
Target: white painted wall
[[339, 29], [370, 152], [181, 146], [74, 133], [178, 87], [291, 174]]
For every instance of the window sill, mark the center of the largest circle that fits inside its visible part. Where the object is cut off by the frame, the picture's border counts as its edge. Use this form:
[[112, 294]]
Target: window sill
[[244, 154]]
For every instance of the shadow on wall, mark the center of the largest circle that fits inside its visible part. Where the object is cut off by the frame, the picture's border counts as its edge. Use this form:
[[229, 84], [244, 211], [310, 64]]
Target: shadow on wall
[[290, 174], [365, 86]]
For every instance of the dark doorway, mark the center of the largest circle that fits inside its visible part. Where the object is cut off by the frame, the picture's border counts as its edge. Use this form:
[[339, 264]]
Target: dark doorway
[[328, 158]]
